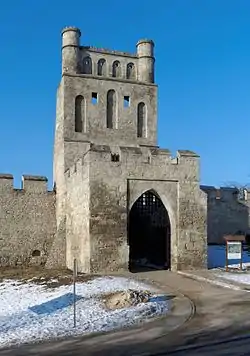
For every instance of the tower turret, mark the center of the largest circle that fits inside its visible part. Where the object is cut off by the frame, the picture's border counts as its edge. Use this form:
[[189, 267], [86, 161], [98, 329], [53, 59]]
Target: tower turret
[[70, 49], [145, 52]]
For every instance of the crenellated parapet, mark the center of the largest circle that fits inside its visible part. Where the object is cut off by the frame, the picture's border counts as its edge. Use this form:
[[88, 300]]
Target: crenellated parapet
[[153, 155], [6, 181], [93, 61], [30, 183], [226, 193], [137, 160]]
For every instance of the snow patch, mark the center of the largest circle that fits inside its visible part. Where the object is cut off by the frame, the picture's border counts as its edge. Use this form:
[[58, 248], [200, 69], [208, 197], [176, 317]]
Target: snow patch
[[31, 312], [241, 278]]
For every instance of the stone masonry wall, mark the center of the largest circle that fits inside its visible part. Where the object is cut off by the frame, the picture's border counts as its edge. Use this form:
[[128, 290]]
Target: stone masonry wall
[[115, 186], [100, 189], [125, 127], [192, 246], [77, 212], [226, 214], [57, 255], [27, 221], [95, 55]]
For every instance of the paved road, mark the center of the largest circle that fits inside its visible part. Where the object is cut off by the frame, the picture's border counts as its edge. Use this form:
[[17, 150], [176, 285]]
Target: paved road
[[221, 315], [233, 347]]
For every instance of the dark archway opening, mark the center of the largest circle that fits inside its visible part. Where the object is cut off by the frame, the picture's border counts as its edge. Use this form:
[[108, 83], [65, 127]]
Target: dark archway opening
[[149, 234], [36, 253]]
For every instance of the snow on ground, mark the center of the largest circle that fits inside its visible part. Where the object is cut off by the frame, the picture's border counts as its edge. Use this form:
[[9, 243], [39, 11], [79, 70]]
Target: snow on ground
[[237, 275], [217, 256], [239, 278], [30, 312], [236, 266]]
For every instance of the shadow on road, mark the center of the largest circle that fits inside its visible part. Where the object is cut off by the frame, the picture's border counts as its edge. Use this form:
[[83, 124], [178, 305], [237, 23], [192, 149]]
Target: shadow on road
[[227, 341]]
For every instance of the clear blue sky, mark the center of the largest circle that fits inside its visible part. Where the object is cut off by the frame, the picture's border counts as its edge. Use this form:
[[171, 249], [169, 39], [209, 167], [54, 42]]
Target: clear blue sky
[[202, 68]]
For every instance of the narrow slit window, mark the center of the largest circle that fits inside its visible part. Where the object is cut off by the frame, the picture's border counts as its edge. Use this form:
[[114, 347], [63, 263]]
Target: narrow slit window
[[126, 101], [94, 98], [79, 113], [141, 120], [218, 194], [111, 109]]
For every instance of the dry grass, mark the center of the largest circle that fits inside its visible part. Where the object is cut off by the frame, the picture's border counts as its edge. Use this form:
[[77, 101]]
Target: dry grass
[[49, 277]]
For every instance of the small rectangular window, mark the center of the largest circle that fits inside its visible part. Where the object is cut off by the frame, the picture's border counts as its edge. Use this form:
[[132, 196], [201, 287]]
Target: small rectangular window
[[115, 157], [218, 194], [126, 101], [94, 98]]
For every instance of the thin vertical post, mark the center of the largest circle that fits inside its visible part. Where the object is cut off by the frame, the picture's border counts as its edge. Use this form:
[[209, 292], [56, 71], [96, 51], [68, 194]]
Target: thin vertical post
[[226, 256], [241, 257], [74, 288]]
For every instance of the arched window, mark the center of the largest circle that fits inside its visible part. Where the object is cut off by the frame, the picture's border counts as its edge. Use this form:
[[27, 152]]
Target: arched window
[[101, 67], [87, 65], [130, 74], [79, 113], [111, 109], [116, 69], [141, 119]]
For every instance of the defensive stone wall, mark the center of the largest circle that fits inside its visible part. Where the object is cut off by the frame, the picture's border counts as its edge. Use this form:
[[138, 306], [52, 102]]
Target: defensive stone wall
[[77, 215], [227, 212], [150, 162], [27, 221], [103, 185]]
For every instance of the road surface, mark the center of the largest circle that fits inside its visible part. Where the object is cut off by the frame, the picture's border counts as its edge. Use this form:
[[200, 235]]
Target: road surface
[[220, 326]]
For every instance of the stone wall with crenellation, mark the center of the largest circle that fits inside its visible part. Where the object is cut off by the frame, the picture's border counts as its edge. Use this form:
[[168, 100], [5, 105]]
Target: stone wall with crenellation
[[101, 192], [227, 212], [27, 221]]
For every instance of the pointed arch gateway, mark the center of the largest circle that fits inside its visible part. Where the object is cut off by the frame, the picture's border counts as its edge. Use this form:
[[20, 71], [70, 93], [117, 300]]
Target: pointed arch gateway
[[149, 233]]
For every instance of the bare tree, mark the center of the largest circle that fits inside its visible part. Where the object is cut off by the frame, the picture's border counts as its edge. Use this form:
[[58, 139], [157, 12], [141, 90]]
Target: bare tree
[[241, 189], [237, 185]]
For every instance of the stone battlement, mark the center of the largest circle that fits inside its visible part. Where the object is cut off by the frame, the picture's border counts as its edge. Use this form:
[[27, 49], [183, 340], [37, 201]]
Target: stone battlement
[[136, 159], [149, 155], [140, 150], [108, 51], [34, 184], [211, 188], [228, 193], [115, 189]]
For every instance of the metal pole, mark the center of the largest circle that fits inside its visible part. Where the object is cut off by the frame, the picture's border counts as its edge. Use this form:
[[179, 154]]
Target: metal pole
[[226, 257], [241, 257], [74, 289]]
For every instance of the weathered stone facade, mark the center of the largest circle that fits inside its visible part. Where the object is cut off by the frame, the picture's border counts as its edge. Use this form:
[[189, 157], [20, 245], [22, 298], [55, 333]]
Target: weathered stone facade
[[106, 156], [106, 159], [27, 221], [227, 212]]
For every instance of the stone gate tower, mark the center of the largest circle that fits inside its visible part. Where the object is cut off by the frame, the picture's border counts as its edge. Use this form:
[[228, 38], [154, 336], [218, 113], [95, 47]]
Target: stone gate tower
[[106, 161]]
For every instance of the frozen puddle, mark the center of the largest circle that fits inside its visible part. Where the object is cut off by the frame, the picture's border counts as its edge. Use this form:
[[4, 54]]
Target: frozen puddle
[[30, 312]]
